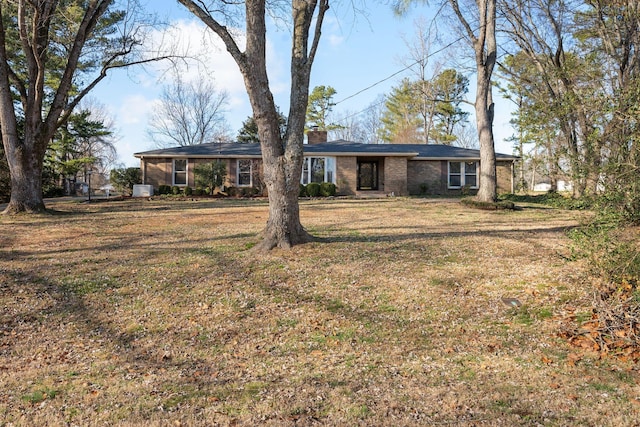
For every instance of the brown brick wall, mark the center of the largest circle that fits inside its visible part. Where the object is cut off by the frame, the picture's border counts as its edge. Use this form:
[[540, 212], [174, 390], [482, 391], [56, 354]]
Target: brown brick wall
[[316, 136], [504, 174], [427, 176], [157, 172], [433, 174], [346, 179], [395, 176]]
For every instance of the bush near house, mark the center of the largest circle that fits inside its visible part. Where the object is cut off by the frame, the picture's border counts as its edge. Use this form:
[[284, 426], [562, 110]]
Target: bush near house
[[327, 189], [164, 189], [313, 189]]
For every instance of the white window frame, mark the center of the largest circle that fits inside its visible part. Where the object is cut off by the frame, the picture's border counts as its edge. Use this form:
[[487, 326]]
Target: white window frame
[[250, 172], [329, 169], [462, 174], [174, 172]]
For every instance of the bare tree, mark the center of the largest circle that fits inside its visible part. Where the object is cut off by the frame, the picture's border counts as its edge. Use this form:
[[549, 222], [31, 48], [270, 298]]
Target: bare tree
[[189, 113], [478, 22], [282, 156], [52, 54], [466, 137], [483, 39], [372, 121], [419, 54], [349, 127]]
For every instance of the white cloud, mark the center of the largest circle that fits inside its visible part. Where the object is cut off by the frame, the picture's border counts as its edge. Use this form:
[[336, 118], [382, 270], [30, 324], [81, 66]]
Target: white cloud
[[335, 39], [134, 109]]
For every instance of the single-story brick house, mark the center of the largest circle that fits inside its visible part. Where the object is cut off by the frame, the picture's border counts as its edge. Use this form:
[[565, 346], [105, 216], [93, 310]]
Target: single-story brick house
[[356, 169]]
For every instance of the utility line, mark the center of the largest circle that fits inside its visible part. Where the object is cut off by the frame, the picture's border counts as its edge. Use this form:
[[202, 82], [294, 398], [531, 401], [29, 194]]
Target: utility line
[[343, 119], [400, 71]]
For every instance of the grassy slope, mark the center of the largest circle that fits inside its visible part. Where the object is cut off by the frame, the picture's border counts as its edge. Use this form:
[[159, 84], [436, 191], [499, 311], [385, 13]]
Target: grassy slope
[[155, 313]]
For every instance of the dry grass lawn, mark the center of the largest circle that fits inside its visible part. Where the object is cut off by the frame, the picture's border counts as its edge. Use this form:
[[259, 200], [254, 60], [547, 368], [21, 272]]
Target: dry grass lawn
[[157, 313]]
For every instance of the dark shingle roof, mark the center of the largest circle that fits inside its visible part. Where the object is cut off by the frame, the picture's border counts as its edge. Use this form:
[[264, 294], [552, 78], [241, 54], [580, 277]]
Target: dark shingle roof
[[332, 148], [206, 150]]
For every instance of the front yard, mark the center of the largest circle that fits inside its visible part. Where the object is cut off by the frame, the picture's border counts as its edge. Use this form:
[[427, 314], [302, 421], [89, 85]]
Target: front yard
[[143, 312]]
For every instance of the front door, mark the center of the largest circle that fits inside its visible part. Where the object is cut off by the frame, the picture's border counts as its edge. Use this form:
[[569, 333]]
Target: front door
[[367, 175]]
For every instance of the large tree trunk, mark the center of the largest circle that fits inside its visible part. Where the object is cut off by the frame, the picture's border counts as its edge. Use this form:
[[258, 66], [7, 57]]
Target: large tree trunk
[[25, 160], [25, 165], [283, 229], [485, 54], [487, 191], [281, 156]]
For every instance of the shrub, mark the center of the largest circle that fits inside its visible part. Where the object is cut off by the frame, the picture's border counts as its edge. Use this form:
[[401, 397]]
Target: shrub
[[175, 190], [198, 192], [249, 191], [303, 191], [327, 189], [164, 189], [233, 191], [313, 189], [53, 191], [210, 175], [611, 248], [123, 179], [188, 191], [488, 206], [424, 189]]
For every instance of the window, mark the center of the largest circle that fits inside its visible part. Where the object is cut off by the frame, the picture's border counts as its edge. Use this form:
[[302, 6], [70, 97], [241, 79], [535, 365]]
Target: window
[[245, 173], [318, 169], [463, 174], [179, 172]]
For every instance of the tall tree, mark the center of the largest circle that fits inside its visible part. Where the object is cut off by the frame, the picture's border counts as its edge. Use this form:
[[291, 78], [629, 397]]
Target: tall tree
[[483, 39], [319, 108], [282, 156], [449, 90], [419, 54], [372, 121], [249, 130], [52, 54], [83, 143], [540, 30], [190, 113], [401, 121], [478, 22]]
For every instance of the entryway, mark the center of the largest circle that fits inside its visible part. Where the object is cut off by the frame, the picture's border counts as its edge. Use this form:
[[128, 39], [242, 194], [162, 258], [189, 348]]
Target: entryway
[[367, 175]]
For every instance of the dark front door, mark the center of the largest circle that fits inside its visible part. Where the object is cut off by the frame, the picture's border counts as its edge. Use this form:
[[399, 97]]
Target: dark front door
[[367, 175]]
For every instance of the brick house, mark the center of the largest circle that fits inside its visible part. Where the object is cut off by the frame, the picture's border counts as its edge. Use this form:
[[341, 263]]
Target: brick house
[[356, 169]]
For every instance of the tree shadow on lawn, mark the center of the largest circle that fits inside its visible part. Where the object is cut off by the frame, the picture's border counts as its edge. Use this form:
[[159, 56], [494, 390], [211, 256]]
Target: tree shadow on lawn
[[182, 377], [396, 237]]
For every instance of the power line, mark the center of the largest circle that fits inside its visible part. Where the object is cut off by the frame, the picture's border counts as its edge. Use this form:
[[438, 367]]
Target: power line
[[344, 119], [399, 72]]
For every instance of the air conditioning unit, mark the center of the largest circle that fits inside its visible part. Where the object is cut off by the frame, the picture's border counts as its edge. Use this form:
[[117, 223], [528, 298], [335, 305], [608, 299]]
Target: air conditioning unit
[[140, 190]]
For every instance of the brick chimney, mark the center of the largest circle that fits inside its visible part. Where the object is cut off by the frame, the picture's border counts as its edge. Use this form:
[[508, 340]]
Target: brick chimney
[[315, 136]]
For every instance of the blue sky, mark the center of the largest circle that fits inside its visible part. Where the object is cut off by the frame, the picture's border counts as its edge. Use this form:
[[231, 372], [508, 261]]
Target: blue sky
[[356, 52]]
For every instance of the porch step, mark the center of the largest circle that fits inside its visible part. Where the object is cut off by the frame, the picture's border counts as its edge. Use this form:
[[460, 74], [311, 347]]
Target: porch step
[[371, 194]]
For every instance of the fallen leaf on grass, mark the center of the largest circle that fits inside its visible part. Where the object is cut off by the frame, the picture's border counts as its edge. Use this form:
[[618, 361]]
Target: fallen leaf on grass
[[573, 359]]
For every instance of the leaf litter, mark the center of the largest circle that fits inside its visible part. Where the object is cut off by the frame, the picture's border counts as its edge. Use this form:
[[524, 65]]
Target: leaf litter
[[155, 313]]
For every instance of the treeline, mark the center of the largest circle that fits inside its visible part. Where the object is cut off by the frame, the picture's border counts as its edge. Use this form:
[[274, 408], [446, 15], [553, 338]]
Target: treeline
[[573, 73]]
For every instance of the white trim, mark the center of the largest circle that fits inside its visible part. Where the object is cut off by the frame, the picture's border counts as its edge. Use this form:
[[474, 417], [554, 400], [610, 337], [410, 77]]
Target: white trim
[[250, 173], [462, 174], [329, 172], [186, 172]]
